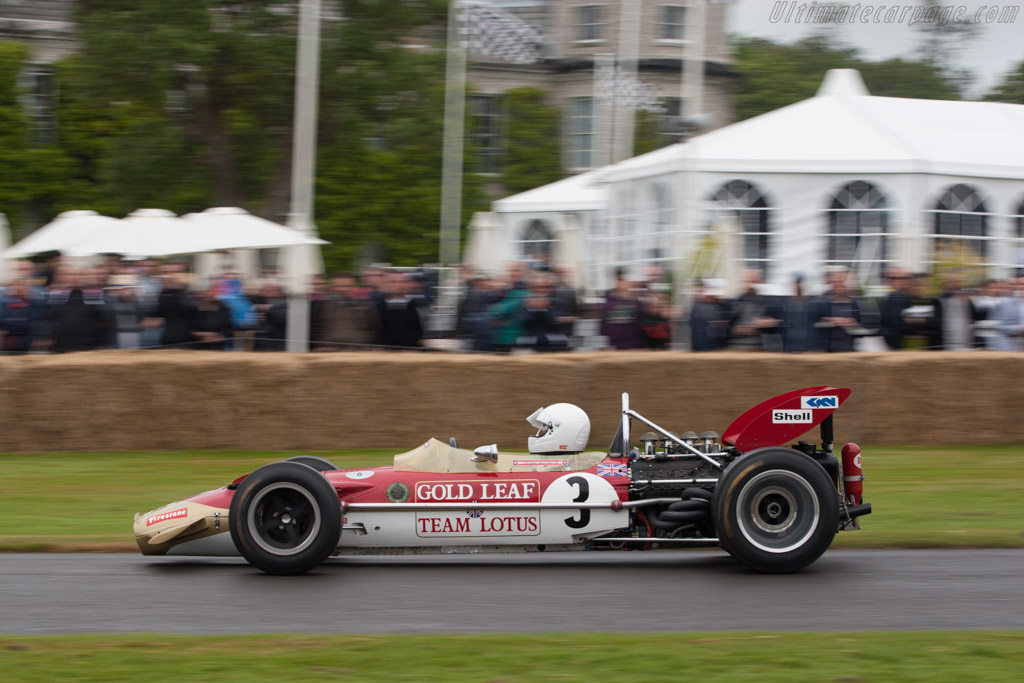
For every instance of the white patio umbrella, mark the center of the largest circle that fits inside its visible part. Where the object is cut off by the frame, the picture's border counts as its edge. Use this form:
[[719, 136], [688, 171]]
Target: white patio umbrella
[[63, 233], [157, 232], [144, 232], [224, 228]]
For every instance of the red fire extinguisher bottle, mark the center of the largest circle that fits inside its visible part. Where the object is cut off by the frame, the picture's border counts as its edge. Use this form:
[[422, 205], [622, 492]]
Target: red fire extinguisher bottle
[[853, 476]]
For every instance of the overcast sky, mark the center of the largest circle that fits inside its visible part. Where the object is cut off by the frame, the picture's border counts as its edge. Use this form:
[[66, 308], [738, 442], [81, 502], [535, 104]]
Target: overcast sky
[[996, 49]]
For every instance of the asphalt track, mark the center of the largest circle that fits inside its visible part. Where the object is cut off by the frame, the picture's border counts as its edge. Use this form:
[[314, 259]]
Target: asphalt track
[[526, 593]]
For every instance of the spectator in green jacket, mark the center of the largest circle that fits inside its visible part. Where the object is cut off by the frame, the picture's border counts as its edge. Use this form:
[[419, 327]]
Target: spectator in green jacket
[[507, 313]]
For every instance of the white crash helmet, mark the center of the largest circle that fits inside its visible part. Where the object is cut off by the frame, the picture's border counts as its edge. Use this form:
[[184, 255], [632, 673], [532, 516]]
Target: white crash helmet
[[562, 428]]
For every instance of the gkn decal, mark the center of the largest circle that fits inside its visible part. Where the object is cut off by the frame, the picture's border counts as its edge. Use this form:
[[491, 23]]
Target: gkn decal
[[823, 402]]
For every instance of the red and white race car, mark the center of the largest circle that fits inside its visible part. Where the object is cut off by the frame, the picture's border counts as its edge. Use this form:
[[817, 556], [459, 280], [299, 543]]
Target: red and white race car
[[774, 507]]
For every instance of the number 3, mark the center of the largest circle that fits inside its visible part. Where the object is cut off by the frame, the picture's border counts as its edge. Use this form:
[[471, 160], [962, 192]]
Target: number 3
[[584, 493]]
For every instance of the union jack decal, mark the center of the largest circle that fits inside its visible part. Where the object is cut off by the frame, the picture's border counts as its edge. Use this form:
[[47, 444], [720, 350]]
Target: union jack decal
[[475, 513], [613, 470]]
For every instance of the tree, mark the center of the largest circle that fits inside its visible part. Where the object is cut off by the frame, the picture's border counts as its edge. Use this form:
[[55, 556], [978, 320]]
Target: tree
[[773, 75], [942, 33], [14, 191], [379, 164], [1011, 88], [204, 93], [533, 153], [33, 172], [188, 104], [902, 78]]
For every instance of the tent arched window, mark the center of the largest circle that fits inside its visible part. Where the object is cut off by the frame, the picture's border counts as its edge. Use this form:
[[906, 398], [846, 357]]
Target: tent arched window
[[657, 242], [960, 227], [538, 241], [858, 222], [1017, 241], [662, 197], [751, 206]]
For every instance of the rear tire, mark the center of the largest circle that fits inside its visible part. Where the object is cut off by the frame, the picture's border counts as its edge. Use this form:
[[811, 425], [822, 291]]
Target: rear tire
[[775, 510], [285, 518]]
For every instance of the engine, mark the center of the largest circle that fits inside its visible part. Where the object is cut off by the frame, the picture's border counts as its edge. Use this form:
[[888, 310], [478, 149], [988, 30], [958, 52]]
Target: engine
[[670, 470]]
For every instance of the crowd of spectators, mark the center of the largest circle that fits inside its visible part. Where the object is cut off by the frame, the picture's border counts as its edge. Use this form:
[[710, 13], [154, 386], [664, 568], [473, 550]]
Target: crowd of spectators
[[989, 316], [55, 307]]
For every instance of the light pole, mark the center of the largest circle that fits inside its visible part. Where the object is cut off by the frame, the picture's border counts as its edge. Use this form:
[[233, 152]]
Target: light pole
[[299, 259], [451, 163], [691, 89]]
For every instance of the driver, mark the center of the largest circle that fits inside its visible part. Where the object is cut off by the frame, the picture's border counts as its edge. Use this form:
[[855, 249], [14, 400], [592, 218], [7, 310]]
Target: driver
[[561, 428]]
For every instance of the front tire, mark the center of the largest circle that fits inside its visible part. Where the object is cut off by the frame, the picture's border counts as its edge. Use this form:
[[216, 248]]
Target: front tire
[[775, 510], [315, 461], [285, 518]]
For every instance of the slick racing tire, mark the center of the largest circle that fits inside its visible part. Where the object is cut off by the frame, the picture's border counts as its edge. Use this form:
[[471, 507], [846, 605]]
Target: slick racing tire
[[285, 518], [775, 510], [316, 462]]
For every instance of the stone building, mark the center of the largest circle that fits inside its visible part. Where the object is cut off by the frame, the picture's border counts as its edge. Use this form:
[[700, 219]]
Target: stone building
[[655, 39], [46, 25], [841, 179], [48, 28]]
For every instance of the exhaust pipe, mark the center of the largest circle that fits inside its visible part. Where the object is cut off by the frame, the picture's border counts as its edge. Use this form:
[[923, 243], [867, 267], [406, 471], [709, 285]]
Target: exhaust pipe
[[855, 511]]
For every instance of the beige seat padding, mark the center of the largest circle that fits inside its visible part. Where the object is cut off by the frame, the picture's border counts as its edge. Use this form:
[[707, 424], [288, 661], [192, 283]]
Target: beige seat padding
[[438, 457]]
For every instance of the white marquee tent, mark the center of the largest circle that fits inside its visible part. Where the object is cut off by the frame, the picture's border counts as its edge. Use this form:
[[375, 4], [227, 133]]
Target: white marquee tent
[[551, 219], [840, 178]]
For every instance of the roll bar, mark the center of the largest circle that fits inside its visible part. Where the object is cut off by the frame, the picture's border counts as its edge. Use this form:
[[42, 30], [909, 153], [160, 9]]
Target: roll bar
[[625, 423], [627, 413]]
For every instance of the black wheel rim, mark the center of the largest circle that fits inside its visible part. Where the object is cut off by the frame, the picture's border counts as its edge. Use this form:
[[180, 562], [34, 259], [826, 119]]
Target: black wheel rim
[[284, 519], [777, 511]]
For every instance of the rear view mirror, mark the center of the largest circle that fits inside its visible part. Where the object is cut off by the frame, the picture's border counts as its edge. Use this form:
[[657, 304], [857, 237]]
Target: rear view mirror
[[486, 453]]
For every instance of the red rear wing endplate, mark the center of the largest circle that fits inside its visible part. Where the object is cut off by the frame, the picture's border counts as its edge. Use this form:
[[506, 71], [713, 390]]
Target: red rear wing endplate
[[783, 418]]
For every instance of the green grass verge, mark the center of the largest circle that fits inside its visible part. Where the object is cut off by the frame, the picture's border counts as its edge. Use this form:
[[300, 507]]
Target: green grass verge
[[842, 657], [83, 501], [940, 497]]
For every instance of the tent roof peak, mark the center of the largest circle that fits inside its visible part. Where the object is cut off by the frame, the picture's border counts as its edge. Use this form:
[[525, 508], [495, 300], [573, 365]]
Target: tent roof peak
[[843, 82]]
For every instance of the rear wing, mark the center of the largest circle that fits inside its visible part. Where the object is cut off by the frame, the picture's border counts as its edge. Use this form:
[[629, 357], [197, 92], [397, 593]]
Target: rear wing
[[785, 417]]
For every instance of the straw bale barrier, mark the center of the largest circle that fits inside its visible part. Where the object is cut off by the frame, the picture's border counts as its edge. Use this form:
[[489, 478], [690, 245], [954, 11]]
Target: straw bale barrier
[[160, 400]]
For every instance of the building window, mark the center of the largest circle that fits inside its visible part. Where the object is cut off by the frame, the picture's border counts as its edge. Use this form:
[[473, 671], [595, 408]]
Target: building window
[[589, 25], [39, 101], [538, 242], [485, 133], [668, 121], [960, 232], [661, 128], [581, 132], [751, 207], [858, 221], [673, 22], [188, 82]]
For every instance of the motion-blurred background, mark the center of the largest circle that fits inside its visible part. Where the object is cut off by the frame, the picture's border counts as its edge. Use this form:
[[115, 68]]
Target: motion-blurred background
[[643, 174]]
